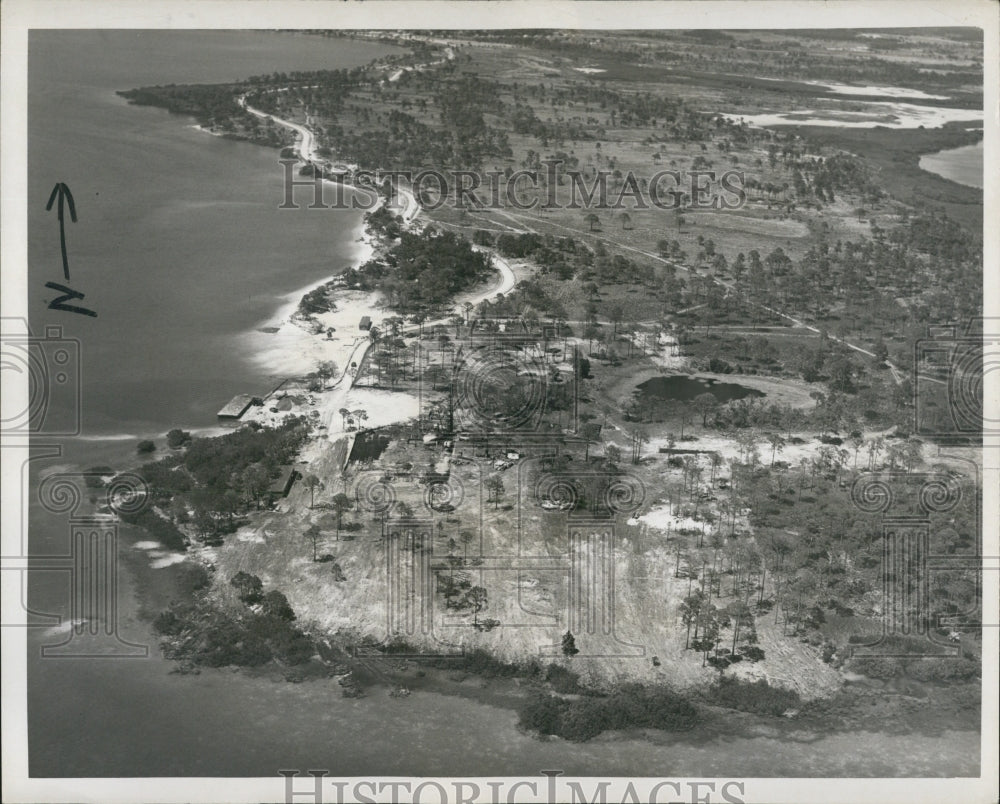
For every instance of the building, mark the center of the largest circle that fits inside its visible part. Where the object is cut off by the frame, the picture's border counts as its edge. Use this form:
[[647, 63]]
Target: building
[[366, 323], [282, 484], [238, 405]]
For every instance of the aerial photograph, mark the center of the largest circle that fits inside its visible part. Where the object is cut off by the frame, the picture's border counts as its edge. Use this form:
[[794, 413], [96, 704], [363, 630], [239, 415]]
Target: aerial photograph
[[504, 403]]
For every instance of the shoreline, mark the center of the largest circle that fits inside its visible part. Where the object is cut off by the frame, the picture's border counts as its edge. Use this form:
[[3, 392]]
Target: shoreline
[[294, 338]]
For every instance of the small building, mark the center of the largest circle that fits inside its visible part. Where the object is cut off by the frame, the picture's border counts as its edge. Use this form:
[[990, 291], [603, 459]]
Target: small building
[[238, 405], [283, 483], [366, 323]]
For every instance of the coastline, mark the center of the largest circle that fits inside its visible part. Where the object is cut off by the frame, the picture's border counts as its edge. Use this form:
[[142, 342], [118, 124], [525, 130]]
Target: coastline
[[297, 349]]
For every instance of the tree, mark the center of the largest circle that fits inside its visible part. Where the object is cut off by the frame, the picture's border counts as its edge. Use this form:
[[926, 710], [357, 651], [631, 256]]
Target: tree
[[612, 454], [467, 537], [276, 605], [690, 611], [875, 447], [254, 481], [248, 587], [777, 445], [710, 624], [326, 370], [705, 404], [477, 599], [341, 503], [312, 533], [592, 220], [494, 485], [145, 447], [856, 441], [178, 438], [683, 412], [569, 648], [312, 483], [639, 437]]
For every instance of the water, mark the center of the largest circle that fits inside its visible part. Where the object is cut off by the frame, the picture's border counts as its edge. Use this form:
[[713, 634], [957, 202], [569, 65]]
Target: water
[[963, 165], [179, 248], [687, 388]]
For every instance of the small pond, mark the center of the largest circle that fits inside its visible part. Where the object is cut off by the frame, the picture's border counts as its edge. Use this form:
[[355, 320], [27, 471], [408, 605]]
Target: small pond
[[686, 388]]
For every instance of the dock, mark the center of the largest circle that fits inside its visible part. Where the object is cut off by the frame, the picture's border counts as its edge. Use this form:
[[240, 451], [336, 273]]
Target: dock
[[238, 405]]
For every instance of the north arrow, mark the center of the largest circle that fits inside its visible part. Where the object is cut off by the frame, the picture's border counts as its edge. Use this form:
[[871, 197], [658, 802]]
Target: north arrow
[[64, 195]]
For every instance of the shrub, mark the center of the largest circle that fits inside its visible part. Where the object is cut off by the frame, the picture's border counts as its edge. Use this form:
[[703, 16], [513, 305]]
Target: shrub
[[481, 663], [633, 706], [159, 528], [191, 578], [178, 438], [943, 669], [875, 666], [94, 475], [751, 696], [543, 714], [276, 605], [168, 623], [562, 680], [249, 587], [145, 446]]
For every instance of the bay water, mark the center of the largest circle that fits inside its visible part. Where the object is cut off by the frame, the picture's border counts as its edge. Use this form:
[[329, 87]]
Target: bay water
[[963, 165]]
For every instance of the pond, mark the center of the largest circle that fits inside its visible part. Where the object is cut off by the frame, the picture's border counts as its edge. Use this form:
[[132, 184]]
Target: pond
[[685, 388]]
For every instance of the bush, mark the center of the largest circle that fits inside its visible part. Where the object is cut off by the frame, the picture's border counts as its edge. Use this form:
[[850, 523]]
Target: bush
[[482, 664], [191, 578], [94, 475], [543, 714], [168, 623], [159, 528], [633, 706], [178, 438], [248, 587], [758, 696], [875, 666], [276, 605], [563, 680], [944, 669], [146, 446]]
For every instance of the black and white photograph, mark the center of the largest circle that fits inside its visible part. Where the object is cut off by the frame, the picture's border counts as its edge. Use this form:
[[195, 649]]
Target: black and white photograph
[[460, 402]]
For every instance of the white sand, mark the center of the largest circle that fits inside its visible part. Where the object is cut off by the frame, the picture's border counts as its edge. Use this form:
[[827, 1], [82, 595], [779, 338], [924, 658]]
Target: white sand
[[884, 92], [158, 557], [888, 115], [162, 559], [661, 518]]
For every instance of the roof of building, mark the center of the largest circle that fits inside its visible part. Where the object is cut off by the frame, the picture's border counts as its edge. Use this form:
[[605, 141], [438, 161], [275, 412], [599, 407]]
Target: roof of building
[[237, 405], [283, 480]]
